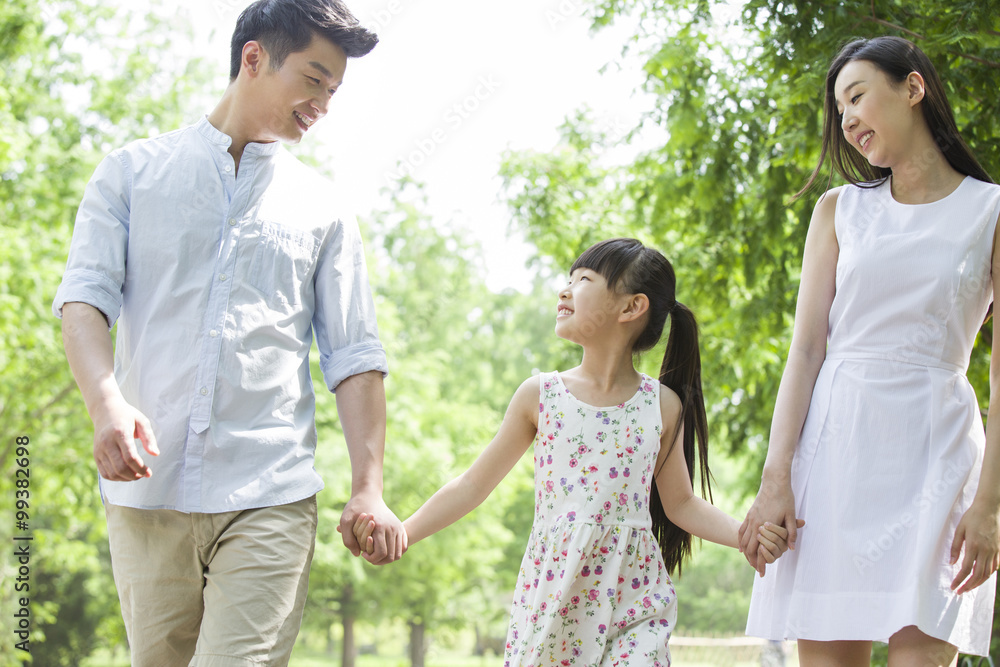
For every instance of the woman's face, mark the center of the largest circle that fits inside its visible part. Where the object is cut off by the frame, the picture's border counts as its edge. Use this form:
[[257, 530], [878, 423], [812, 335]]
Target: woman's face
[[877, 114]]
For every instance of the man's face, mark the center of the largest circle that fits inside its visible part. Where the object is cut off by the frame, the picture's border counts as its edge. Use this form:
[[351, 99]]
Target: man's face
[[292, 99]]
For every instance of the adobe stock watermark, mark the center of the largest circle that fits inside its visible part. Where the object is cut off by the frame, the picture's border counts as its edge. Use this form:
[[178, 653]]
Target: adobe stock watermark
[[454, 117], [565, 11], [380, 19], [894, 531]]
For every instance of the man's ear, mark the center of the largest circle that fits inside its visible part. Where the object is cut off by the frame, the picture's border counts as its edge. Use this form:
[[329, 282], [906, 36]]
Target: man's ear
[[636, 306], [253, 58]]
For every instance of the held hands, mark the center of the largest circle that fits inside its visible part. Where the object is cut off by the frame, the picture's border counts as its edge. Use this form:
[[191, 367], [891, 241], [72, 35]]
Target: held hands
[[773, 541], [115, 453], [979, 531], [364, 527], [774, 505], [379, 537]]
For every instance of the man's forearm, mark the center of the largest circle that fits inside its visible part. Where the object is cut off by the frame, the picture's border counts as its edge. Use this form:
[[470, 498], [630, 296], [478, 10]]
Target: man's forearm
[[361, 406]]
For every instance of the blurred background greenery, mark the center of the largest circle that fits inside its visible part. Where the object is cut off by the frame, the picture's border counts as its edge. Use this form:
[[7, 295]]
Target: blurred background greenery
[[740, 121]]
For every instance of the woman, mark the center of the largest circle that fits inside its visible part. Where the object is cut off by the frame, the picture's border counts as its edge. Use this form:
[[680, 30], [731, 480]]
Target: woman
[[876, 438]]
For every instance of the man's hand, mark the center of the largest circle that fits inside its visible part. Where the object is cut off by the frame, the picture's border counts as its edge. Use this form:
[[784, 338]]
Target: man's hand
[[388, 536], [115, 433]]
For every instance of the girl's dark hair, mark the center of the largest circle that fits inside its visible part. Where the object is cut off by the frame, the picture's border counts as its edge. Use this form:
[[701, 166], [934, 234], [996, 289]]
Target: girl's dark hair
[[896, 57], [287, 26], [631, 268]]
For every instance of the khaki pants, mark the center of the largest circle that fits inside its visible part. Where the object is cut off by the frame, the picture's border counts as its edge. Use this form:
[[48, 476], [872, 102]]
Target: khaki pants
[[212, 590]]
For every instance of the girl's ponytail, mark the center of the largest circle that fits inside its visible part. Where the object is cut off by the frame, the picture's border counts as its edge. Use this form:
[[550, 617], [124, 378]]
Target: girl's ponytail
[[681, 371]]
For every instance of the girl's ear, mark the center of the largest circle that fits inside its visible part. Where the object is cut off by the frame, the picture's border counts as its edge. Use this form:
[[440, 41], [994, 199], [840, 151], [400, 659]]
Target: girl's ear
[[915, 87], [635, 307]]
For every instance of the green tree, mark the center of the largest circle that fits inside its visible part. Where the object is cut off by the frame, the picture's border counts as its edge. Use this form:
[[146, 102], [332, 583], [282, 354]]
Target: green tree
[[72, 85]]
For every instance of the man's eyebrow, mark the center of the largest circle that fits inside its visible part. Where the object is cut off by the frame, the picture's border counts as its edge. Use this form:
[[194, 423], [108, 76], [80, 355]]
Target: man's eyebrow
[[320, 68]]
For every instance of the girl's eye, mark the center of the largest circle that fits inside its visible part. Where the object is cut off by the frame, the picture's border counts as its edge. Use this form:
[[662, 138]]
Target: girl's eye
[[854, 100], [313, 80]]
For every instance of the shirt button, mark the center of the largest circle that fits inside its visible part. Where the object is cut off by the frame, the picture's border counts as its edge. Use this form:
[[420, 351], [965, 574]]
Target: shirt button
[[213, 333], [204, 391], [232, 222], [228, 168], [222, 276]]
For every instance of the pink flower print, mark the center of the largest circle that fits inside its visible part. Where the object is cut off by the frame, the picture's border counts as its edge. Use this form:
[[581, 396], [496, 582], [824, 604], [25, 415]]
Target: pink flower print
[[534, 618], [559, 425], [549, 576], [576, 652], [599, 570], [575, 599], [582, 449], [645, 580], [592, 595], [543, 606], [548, 459], [613, 473], [604, 550], [541, 408], [630, 449], [564, 611], [565, 662], [538, 561], [549, 486], [548, 385], [573, 463], [646, 602], [622, 498], [621, 579], [602, 628], [585, 571], [625, 472], [571, 516], [607, 506], [647, 387], [664, 622], [635, 584], [599, 518], [592, 468], [638, 439]]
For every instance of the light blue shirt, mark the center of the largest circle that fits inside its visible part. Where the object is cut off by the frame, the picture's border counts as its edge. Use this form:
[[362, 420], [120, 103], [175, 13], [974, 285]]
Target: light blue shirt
[[218, 285]]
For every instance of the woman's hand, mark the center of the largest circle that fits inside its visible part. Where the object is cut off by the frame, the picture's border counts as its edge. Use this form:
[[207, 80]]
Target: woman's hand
[[775, 503]]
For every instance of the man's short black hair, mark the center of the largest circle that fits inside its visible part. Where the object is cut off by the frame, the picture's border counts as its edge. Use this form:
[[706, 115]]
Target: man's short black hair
[[287, 26]]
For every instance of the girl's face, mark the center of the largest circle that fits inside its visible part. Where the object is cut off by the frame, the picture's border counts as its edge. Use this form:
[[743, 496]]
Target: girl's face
[[877, 114], [586, 306]]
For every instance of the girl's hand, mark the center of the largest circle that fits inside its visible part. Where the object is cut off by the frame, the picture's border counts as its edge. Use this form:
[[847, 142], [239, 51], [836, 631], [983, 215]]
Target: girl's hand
[[774, 504], [979, 531], [364, 526], [773, 541]]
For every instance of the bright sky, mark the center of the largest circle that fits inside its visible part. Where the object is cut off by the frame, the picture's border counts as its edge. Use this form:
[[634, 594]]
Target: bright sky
[[451, 85]]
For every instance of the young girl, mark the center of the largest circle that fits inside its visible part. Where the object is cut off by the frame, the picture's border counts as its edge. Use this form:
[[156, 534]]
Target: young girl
[[614, 464], [876, 433]]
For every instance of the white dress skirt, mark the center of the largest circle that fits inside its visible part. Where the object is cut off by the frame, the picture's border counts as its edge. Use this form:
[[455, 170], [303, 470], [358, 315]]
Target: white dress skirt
[[891, 450]]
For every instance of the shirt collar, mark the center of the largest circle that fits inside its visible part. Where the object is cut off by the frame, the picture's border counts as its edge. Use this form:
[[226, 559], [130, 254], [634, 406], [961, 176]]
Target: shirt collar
[[219, 138]]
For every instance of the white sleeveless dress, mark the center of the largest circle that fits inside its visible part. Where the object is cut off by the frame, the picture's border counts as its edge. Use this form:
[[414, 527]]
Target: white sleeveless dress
[[891, 450]]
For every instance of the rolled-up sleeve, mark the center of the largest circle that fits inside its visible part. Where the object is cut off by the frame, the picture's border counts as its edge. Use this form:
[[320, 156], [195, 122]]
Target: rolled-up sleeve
[[95, 270], [344, 318]]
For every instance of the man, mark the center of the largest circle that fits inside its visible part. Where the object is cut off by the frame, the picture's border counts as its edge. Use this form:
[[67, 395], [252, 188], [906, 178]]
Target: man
[[220, 256]]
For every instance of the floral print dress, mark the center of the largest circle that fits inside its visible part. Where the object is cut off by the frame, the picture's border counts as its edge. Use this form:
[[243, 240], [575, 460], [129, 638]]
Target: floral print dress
[[593, 589]]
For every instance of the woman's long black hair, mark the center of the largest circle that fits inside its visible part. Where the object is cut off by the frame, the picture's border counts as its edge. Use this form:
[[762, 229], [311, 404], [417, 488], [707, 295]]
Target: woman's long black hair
[[631, 268], [897, 58]]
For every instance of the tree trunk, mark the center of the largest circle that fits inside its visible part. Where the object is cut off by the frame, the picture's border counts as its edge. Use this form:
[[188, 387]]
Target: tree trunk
[[350, 652], [417, 648]]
